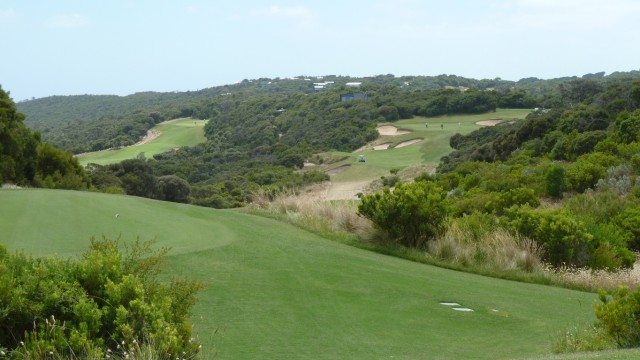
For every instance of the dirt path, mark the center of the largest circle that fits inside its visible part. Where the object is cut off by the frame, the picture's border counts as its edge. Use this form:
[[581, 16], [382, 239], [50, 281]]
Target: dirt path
[[345, 190], [151, 135]]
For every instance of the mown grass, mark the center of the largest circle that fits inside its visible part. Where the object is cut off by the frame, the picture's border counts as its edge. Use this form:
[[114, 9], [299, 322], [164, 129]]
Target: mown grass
[[277, 291], [173, 134], [435, 143]]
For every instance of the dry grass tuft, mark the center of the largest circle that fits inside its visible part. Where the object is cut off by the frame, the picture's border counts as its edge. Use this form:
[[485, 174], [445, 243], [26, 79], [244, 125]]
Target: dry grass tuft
[[311, 211], [599, 279], [496, 249], [10, 186]]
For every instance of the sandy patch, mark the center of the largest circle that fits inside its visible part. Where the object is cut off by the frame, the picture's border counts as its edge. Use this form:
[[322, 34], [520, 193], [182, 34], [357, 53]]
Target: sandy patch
[[407, 143], [345, 190], [492, 122], [151, 135], [389, 130], [382, 146], [338, 170], [309, 164]]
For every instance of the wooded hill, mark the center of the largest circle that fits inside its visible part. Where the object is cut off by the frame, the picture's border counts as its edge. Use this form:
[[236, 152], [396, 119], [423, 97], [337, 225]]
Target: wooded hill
[[94, 122], [260, 130]]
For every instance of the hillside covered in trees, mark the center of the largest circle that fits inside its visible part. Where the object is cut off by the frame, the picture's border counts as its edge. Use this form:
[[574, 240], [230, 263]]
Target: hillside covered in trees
[[260, 131]]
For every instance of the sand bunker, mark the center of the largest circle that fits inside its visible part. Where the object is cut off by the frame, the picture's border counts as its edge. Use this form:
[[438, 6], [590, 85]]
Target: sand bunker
[[407, 143], [462, 309], [492, 122], [389, 130], [338, 170], [382, 146]]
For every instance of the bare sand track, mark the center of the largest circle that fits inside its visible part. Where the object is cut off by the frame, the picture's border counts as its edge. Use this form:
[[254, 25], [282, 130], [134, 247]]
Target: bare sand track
[[338, 170], [345, 190], [151, 135]]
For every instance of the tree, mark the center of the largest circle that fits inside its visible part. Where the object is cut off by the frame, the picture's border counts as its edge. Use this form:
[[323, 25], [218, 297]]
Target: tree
[[555, 181], [17, 144], [173, 188]]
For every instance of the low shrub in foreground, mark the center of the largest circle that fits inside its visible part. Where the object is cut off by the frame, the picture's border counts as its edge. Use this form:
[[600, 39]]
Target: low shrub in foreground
[[106, 303]]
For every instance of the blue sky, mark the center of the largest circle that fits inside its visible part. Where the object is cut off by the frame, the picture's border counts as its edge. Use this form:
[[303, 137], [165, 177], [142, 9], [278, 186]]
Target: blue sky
[[68, 47]]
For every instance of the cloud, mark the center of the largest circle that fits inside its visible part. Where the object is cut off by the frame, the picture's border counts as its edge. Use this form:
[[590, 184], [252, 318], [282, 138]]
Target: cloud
[[68, 21]]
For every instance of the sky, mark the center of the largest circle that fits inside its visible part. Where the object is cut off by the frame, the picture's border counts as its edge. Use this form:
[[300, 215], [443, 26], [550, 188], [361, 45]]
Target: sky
[[119, 47]]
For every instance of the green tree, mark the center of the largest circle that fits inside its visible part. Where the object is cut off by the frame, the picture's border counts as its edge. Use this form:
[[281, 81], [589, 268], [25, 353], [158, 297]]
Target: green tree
[[17, 144], [173, 188], [555, 181]]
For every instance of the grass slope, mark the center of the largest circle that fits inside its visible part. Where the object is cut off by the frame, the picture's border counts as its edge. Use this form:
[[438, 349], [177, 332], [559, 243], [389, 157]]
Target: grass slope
[[278, 292], [174, 133]]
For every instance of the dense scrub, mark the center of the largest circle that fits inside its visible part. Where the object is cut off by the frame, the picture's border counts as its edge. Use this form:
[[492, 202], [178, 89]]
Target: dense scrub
[[106, 303]]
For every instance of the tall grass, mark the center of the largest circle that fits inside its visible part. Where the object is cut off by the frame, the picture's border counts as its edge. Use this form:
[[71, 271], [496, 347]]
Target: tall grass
[[599, 279], [311, 212], [497, 250]]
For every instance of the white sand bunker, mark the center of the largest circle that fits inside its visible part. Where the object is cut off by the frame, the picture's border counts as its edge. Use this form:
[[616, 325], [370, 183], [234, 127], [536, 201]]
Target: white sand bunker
[[338, 170], [389, 130], [407, 143], [462, 309], [492, 122], [384, 146]]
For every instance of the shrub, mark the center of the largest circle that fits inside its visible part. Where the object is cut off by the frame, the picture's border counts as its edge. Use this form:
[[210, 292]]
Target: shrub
[[411, 214], [619, 314], [629, 221], [588, 169], [517, 196], [564, 241], [63, 308]]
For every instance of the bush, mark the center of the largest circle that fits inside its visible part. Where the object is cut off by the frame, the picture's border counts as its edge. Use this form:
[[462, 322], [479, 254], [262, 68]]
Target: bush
[[63, 308], [564, 241], [619, 314], [411, 214]]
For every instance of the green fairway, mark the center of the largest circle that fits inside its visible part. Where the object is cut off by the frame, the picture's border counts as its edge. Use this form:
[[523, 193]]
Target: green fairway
[[173, 134], [278, 292], [434, 144]]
